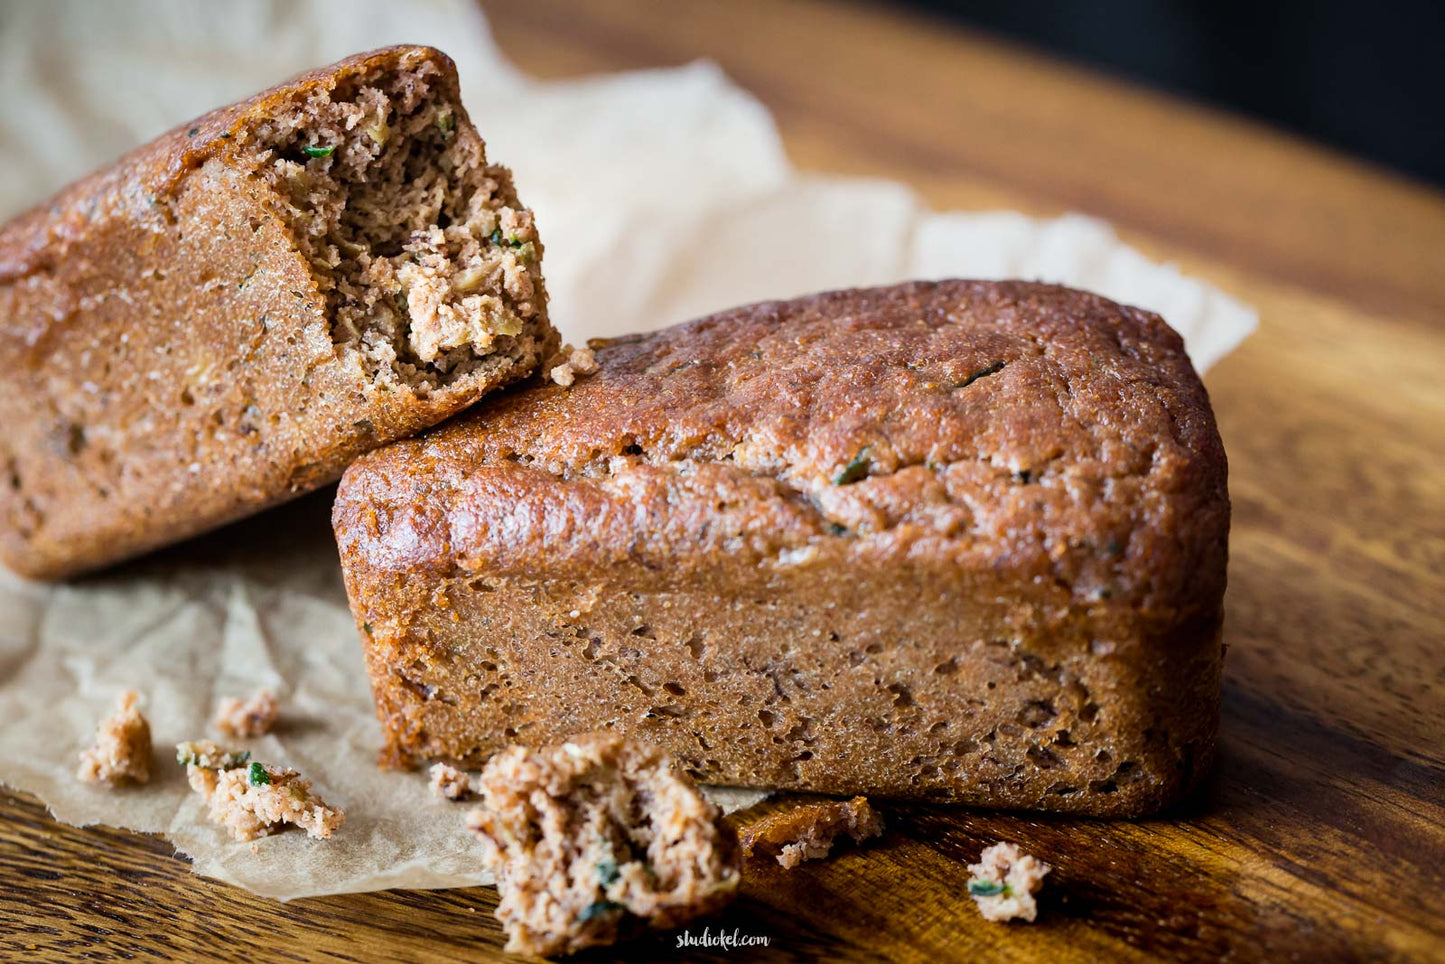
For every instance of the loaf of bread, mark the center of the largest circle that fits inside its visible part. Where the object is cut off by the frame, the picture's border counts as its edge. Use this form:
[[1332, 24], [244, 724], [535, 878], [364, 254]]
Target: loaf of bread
[[226, 317], [960, 541]]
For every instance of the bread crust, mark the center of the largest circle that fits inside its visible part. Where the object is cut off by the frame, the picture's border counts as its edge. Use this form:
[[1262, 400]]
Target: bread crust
[[166, 354], [956, 540]]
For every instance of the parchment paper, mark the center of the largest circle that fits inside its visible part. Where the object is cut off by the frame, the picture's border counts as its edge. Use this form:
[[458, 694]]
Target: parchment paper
[[660, 195]]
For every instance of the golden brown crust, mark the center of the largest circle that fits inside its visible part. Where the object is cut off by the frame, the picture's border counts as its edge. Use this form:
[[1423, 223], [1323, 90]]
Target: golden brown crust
[[166, 355], [959, 540]]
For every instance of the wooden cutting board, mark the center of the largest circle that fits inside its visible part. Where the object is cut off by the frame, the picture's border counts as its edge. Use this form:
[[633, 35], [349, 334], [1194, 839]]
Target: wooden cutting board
[[1322, 833]]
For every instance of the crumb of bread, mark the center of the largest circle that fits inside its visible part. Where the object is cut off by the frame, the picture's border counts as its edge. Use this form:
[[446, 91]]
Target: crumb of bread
[[255, 799], [1004, 881], [450, 783], [248, 718], [583, 361], [209, 756], [563, 375], [570, 362], [807, 831], [596, 839], [122, 750]]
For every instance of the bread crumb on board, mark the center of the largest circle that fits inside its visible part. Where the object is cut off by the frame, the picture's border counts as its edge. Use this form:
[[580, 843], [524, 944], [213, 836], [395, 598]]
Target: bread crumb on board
[[450, 783], [597, 839], [1004, 881], [254, 799], [209, 756], [570, 362], [808, 831], [121, 753], [248, 718]]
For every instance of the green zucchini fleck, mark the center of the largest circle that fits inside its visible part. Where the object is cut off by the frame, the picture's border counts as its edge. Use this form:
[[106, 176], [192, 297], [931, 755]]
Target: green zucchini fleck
[[311, 150], [257, 775], [607, 872], [510, 240], [597, 908], [987, 888]]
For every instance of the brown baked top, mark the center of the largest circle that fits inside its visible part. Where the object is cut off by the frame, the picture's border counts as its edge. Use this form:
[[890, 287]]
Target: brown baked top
[[1011, 426], [41, 236]]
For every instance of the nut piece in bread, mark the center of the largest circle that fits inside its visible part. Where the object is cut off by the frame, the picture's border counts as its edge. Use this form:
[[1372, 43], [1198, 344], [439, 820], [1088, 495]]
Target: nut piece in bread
[[596, 839], [226, 317], [959, 541]]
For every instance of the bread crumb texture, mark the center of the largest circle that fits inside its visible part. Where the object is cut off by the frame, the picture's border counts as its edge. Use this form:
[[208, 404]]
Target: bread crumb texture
[[1004, 881], [253, 799], [121, 753], [597, 839], [210, 755], [570, 362], [808, 831], [425, 257], [252, 717], [449, 783]]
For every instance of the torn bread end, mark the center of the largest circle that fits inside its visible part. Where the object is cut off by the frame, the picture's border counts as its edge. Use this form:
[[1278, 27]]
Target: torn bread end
[[430, 266]]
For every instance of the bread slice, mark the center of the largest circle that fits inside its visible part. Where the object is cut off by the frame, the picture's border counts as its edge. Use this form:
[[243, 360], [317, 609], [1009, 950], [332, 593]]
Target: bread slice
[[229, 315], [961, 541]]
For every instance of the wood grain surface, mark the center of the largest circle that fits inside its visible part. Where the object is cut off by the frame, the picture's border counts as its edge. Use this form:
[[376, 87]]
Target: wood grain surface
[[1322, 833]]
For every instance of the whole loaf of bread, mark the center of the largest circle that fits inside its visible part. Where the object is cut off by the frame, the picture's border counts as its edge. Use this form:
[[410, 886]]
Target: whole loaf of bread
[[226, 317], [961, 541]]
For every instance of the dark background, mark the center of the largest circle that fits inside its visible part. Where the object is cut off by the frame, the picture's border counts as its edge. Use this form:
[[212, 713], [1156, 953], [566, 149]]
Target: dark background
[[1366, 78]]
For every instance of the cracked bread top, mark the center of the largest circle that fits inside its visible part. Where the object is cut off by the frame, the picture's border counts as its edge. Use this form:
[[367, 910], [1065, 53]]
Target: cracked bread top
[[1007, 427]]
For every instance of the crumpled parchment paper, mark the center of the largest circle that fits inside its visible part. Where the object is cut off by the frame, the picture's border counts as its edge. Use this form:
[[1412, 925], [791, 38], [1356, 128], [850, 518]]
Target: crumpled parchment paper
[[661, 195]]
